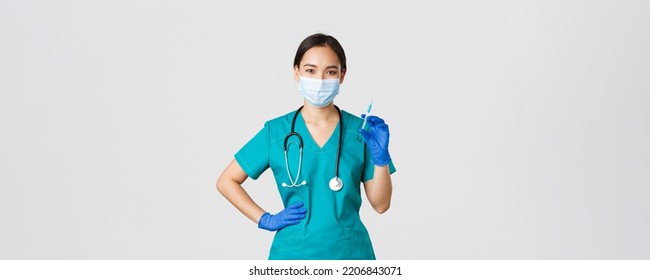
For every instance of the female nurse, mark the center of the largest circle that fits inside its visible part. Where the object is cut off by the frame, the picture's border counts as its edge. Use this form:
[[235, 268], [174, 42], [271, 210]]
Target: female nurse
[[319, 156]]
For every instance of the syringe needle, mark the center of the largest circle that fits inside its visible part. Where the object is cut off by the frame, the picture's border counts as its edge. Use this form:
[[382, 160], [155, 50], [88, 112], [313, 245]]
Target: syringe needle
[[367, 113]]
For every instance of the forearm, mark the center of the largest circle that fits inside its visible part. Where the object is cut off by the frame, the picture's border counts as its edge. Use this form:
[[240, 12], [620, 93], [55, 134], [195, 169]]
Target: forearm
[[235, 193], [381, 191]]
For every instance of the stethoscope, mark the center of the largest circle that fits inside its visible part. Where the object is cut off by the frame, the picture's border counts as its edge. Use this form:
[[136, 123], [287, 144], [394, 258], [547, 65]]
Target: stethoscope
[[335, 183]]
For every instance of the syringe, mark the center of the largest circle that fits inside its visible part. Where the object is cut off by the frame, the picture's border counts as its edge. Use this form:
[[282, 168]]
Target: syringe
[[367, 114]]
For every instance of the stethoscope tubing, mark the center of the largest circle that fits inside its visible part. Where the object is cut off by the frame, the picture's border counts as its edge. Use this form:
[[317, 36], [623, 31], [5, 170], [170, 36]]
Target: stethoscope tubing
[[300, 147]]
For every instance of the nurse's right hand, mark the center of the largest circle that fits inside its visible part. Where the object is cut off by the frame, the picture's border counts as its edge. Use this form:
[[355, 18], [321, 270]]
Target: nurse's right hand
[[287, 217]]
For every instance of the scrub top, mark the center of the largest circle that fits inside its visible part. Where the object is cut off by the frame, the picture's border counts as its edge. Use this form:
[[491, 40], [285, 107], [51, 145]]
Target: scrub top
[[332, 228]]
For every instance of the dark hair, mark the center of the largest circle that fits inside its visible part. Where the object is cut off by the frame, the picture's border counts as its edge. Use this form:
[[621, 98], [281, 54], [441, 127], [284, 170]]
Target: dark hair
[[320, 39]]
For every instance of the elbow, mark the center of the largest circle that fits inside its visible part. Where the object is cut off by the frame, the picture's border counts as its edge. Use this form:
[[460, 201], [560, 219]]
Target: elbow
[[381, 209], [226, 184], [221, 185]]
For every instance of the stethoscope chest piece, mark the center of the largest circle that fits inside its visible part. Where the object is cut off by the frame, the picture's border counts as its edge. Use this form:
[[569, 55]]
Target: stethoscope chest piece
[[336, 184]]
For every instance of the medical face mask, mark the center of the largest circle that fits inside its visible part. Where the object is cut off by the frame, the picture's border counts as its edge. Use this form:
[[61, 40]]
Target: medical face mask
[[319, 92]]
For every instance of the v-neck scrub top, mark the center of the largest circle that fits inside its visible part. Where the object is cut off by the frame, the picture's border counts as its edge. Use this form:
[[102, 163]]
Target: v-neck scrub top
[[332, 228]]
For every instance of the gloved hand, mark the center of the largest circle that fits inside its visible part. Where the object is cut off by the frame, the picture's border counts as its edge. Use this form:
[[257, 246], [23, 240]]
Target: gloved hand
[[289, 216], [376, 137]]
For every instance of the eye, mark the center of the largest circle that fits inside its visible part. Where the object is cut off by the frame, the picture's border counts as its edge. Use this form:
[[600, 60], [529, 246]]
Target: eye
[[310, 71], [332, 73]]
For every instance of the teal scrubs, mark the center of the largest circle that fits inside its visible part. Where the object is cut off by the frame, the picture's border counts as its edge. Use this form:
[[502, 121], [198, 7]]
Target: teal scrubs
[[332, 229]]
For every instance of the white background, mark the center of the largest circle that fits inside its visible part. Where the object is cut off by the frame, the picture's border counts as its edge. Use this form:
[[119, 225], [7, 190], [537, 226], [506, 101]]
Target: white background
[[519, 129]]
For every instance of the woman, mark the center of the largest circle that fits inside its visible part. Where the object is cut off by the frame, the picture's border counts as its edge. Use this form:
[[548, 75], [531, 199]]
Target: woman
[[319, 155]]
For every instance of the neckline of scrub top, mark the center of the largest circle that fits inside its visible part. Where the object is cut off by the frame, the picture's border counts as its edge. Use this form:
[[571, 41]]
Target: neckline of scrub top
[[310, 143]]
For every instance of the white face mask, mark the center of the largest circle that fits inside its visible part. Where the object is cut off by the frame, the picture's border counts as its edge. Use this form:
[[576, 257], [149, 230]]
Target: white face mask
[[319, 92]]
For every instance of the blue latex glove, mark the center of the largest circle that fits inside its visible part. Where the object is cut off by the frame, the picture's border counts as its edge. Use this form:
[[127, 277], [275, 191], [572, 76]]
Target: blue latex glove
[[376, 137], [289, 216]]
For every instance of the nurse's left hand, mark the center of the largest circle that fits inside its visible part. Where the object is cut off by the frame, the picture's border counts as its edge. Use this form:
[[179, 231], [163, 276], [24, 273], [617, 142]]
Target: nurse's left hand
[[376, 137]]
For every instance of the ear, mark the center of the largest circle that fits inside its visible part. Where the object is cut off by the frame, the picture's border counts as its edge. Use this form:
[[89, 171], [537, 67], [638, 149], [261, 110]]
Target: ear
[[342, 76], [296, 73]]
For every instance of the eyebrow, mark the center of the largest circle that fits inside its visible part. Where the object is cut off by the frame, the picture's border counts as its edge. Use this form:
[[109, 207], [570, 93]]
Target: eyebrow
[[328, 67]]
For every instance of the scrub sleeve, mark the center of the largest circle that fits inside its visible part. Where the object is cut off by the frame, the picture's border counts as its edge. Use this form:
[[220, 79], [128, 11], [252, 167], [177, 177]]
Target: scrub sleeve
[[254, 156]]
